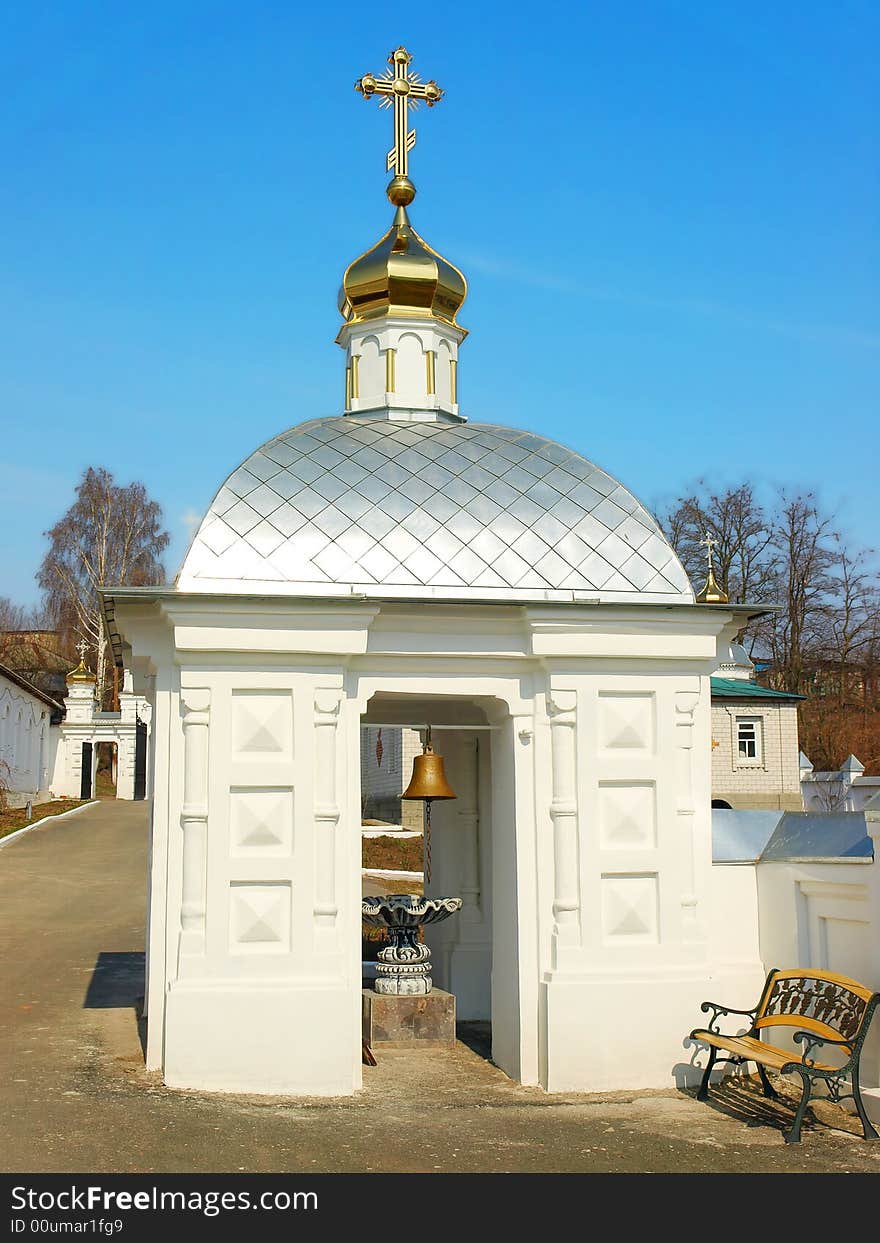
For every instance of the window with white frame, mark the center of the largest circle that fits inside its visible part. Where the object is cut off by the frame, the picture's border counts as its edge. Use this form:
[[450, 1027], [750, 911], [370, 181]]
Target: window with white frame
[[748, 740]]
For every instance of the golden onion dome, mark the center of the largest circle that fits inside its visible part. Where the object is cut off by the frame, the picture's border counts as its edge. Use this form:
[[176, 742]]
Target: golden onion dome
[[401, 274], [81, 673], [712, 593]]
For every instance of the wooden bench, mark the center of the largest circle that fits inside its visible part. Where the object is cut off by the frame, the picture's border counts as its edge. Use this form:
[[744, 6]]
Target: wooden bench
[[828, 1011]]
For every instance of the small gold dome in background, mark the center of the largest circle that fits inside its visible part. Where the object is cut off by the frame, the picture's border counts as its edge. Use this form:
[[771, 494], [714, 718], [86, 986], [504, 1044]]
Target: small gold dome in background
[[81, 673], [712, 593]]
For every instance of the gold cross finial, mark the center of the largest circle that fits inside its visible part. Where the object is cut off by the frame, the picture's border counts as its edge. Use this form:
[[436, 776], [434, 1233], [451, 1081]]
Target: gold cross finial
[[711, 593], [710, 543], [397, 87], [81, 673]]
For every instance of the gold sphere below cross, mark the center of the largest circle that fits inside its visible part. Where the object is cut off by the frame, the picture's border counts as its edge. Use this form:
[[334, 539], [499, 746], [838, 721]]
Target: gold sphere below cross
[[401, 191]]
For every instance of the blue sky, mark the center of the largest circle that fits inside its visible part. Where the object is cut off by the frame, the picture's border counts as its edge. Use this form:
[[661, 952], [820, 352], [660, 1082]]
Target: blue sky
[[667, 213]]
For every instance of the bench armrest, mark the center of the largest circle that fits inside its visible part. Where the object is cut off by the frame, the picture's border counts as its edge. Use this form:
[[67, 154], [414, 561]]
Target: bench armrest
[[811, 1041], [719, 1010]]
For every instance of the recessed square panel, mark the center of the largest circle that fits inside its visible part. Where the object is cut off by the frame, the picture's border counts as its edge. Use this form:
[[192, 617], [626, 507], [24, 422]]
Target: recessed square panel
[[259, 917], [262, 724], [627, 815], [630, 909], [626, 722], [260, 822]]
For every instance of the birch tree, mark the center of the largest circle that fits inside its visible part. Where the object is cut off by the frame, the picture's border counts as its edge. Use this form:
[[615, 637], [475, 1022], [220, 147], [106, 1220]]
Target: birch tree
[[112, 535]]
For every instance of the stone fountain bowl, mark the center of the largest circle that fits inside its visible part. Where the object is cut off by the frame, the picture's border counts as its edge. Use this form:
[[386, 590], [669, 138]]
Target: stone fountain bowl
[[404, 966], [407, 910]]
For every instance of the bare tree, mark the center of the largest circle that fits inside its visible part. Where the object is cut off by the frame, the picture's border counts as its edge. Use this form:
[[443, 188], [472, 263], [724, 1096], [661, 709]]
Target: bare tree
[[12, 616], [802, 538], [789, 557], [849, 624], [17, 617], [745, 554], [824, 640], [831, 795], [24, 636], [110, 535]]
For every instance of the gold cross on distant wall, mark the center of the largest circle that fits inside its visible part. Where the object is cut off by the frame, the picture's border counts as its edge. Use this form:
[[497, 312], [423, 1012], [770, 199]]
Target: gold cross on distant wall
[[402, 90]]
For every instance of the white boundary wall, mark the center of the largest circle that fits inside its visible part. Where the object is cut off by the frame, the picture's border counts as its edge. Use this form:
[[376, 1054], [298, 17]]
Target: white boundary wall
[[28, 742]]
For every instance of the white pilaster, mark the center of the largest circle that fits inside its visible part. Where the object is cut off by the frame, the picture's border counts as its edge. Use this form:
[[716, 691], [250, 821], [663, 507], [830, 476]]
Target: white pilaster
[[194, 822], [562, 710], [326, 909], [685, 706]]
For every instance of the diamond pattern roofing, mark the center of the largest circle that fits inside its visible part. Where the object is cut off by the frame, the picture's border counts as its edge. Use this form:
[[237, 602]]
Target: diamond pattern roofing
[[458, 509]]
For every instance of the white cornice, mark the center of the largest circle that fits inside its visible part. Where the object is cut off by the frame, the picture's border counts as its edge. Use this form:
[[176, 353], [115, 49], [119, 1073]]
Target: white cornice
[[469, 632]]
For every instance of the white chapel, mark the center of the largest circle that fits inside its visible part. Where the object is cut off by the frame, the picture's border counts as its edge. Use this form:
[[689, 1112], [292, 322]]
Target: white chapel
[[404, 562]]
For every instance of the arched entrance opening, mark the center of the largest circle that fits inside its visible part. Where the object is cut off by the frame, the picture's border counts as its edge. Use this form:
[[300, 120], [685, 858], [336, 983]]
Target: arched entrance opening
[[106, 762], [474, 954], [87, 770], [721, 805], [392, 828], [140, 760]]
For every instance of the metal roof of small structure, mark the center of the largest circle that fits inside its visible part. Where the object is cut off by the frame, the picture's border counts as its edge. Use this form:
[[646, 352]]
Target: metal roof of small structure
[[812, 835], [454, 510], [740, 836], [734, 688], [790, 836]]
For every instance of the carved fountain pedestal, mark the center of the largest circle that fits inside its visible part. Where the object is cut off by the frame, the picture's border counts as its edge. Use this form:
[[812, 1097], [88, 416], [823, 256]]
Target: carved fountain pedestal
[[404, 1007]]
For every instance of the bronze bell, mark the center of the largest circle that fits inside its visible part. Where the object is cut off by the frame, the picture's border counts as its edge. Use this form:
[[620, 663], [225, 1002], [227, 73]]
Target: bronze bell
[[428, 781]]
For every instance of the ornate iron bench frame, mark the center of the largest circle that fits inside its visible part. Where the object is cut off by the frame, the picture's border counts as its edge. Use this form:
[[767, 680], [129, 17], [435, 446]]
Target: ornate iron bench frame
[[827, 1009]]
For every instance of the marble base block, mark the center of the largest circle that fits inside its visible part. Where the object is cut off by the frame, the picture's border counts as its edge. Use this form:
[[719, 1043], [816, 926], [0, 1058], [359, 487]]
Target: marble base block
[[407, 1021]]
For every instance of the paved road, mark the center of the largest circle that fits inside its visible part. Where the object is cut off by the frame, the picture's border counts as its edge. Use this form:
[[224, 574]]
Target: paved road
[[77, 1097]]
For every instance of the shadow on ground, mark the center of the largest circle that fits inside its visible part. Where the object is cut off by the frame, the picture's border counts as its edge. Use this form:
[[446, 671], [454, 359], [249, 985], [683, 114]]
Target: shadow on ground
[[741, 1097], [477, 1036], [118, 983]]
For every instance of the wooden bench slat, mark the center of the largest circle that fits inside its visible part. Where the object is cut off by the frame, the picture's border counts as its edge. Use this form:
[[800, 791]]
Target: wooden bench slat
[[801, 1022], [756, 1050]]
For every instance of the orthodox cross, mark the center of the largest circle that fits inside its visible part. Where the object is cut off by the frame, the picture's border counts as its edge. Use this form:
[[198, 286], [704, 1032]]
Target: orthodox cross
[[82, 647], [711, 593], [710, 543], [399, 88]]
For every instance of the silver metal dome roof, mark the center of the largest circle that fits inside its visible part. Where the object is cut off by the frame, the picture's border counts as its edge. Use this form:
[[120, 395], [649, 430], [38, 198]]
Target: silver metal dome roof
[[442, 510]]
